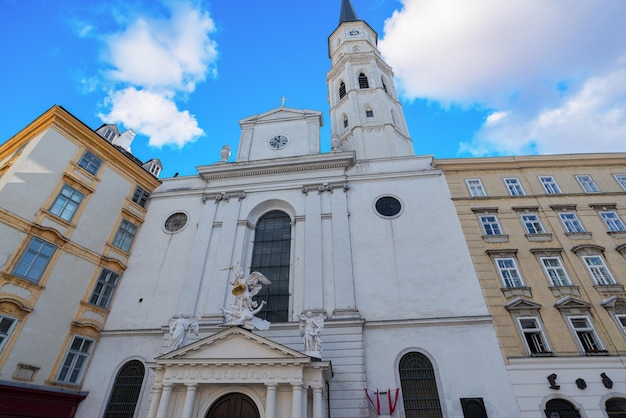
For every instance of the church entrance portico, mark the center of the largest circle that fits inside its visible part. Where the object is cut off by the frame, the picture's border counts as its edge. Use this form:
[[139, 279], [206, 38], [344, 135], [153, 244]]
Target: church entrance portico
[[235, 373]]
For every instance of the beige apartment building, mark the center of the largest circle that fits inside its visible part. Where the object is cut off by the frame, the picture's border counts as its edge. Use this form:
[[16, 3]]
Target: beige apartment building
[[547, 236], [71, 202]]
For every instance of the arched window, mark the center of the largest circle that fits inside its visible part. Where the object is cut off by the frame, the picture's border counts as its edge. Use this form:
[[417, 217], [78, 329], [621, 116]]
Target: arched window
[[233, 405], [419, 387], [369, 112], [363, 83], [616, 408], [560, 408], [382, 80], [345, 121], [126, 389], [271, 256], [342, 90]]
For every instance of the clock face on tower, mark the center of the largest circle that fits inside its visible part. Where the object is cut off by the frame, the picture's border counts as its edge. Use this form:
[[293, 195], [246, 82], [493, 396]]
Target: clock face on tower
[[278, 142], [354, 33]]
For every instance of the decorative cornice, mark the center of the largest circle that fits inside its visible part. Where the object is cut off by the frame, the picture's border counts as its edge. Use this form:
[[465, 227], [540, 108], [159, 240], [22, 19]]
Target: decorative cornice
[[325, 187], [223, 196], [532, 161]]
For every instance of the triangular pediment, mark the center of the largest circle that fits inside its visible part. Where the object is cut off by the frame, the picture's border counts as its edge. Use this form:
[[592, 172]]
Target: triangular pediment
[[570, 302], [234, 345], [519, 303], [281, 113]]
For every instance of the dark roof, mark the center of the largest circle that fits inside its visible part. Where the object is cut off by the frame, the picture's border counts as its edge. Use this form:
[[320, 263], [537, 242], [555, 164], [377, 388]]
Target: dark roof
[[347, 13]]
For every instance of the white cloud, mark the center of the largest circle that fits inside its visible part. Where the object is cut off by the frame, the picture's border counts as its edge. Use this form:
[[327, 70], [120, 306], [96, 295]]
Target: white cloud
[[153, 115], [156, 62], [544, 65]]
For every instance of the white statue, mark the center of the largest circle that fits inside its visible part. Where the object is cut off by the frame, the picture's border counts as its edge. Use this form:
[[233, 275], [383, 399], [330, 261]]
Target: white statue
[[180, 326], [310, 328], [225, 153], [243, 311]]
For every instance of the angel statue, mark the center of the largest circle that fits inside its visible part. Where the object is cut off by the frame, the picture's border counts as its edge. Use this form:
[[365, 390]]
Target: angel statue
[[180, 326], [310, 328], [244, 309]]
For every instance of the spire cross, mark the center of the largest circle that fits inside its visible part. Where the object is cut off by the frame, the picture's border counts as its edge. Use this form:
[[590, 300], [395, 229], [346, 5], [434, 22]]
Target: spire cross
[[282, 100]]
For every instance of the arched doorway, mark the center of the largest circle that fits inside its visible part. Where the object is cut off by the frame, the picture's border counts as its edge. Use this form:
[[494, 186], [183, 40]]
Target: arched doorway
[[616, 407], [233, 405], [560, 408]]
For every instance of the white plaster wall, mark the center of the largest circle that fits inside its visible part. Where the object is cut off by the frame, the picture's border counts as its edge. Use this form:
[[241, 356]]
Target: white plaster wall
[[465, 357], [39, 171], [46, 329]]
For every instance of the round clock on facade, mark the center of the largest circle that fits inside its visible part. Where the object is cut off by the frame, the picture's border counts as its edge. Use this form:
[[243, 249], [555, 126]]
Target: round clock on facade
[[278, 142]]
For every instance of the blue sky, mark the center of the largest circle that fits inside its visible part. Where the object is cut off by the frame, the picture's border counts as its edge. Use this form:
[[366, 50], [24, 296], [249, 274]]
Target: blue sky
[[480, 77]]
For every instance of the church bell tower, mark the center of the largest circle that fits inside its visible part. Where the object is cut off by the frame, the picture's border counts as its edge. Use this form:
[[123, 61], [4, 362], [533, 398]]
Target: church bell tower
[[365, 113]]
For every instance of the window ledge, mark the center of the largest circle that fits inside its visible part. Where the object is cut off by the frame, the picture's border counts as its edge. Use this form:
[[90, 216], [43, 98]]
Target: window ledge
[[558, 291], [597, 353], [544, 354], [539, 237], [617, 234], [578, 235], [609, 288], [496, 238], [510, 292]]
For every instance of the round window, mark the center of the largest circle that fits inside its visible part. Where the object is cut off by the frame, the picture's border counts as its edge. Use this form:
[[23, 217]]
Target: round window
[[388, 206], [175, 222]]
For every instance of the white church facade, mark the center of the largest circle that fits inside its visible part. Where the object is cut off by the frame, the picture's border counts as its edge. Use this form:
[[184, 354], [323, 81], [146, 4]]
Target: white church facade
[[364, 237]]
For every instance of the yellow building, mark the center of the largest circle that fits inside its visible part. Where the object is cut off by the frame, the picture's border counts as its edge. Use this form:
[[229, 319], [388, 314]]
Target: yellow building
[[547, 236], [71, 202]]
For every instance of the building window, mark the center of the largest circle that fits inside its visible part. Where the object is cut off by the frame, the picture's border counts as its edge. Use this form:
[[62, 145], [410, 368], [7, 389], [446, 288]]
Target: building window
[[369, 112], [388, 206], [490, 224], [555, 271], [532, 224], [419, 387], [560, 408], [66, 203], [382, 80], [342, 90], [75, 360], [549, 184], [571, 222], [586, 334], [533, 335], [155, 169], [514, 186], [509, 273], [621, 179], [621, 322], [34, 260], [6, 327], [140, 197], [616, 407], [90, 162], [125, 235], [363, 83], [598, 270], [175, 222], [475, 187], [345, 121], [105, 286], [587, 183], [613, 221], [271, 256], [126, 390]]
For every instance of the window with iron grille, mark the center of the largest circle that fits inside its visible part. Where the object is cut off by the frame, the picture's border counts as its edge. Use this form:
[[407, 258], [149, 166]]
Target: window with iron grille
[[75, 360], [560, 408], [35, 259], [342, 90], [126, 390], [363, 83], [90, 162], [271, 256], [66, 203], [419, 387], [105, 286], [125, 235], [140, 197], [6, 327]]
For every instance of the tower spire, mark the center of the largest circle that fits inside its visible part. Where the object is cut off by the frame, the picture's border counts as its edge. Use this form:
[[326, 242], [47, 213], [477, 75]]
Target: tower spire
[[347, 13]]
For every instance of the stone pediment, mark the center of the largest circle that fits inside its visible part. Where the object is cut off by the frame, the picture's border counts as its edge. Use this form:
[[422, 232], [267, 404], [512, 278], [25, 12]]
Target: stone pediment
[[569, 302], [234, 346], [519, 304], [281, 113]]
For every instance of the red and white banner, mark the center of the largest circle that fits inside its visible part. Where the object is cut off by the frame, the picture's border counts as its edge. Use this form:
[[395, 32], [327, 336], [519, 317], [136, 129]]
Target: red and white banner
[[383, 403]]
